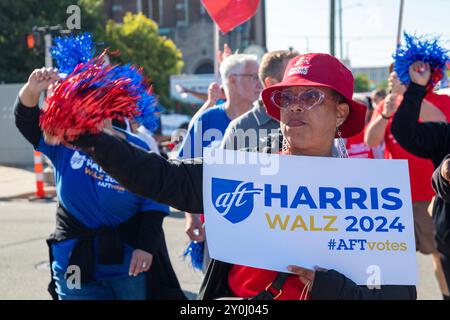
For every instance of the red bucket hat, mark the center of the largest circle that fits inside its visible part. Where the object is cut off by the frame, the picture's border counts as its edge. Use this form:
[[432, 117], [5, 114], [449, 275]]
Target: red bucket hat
[[320, 70]]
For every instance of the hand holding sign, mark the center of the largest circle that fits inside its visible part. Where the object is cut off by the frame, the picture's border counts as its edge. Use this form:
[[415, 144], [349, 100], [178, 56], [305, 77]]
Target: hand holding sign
[[305, 275], [346, 224]]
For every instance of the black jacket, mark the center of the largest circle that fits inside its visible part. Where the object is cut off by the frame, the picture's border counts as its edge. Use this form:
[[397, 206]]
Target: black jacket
[[179, 184], [441, 211], [429, 140], [143, 231]]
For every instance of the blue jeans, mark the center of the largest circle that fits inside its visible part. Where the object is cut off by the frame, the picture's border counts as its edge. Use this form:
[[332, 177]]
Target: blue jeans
[[119, 288]]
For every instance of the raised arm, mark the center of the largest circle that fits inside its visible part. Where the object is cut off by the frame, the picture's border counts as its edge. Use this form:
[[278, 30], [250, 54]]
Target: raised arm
[[26, 111], [376, 130], [176, 183], [427, 140]]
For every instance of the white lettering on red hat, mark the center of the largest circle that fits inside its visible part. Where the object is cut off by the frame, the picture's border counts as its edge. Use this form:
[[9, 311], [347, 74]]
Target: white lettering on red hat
[[301, 66], [301, 61]]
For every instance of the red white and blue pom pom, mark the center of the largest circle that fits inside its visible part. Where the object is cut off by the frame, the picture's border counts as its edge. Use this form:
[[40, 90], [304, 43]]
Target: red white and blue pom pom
[[195, 250], [420, 49], [70, 51], [92, 93], [147, 102]]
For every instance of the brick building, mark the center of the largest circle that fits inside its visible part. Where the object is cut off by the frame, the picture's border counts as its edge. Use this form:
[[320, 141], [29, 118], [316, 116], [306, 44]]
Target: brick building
[[188, 24]]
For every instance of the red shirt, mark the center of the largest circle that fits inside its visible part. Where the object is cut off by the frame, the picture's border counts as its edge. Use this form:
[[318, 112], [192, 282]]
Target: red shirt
[[440, 101], [246, 282], [357, 148], [420, 170]]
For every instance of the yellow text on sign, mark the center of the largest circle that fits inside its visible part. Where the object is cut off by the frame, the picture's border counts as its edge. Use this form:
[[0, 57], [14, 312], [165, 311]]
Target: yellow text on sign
[[292, 223]]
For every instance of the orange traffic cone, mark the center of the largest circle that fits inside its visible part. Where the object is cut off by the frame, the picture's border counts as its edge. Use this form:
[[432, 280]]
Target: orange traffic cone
[[39, 170]]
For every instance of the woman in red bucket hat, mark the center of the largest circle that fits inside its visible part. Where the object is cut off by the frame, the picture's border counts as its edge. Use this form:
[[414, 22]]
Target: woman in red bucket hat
[[314, 105], [313, 80]]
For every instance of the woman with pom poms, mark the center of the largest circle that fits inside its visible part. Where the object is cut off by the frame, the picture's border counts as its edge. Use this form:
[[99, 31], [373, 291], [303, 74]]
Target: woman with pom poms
[[313, 108], [380, 130], [422, 66], [108, 243]]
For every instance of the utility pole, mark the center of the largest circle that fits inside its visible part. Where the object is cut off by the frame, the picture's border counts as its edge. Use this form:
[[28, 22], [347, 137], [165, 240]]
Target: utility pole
[[139, 6], [341, 36], [38, 159], [47, 35], [347, 57], [216, 49], [48, 47], [332, 27], [400, 22]]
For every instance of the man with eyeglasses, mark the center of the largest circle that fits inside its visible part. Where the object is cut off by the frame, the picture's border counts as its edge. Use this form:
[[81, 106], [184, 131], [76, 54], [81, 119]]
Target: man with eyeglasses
[[253, 129], [242, 87], [239, 73]]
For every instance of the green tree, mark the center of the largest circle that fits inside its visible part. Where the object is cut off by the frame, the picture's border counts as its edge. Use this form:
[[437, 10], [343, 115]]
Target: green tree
[[93, 17], [17, 19], [383, 85], [139, 42], [362, 83]]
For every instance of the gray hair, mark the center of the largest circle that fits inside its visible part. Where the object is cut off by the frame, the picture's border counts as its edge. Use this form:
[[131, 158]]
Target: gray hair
[[234, 64]]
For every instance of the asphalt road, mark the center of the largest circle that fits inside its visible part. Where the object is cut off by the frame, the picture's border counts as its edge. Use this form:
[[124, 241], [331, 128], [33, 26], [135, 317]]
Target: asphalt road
[[24, 272]]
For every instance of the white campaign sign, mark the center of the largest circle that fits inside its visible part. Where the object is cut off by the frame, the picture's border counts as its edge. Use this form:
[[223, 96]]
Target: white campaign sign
[[351, 215]]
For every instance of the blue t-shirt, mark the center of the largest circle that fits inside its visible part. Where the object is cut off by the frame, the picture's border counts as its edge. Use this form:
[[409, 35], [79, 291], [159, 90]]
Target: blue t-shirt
[[95, 199], [207, 131]]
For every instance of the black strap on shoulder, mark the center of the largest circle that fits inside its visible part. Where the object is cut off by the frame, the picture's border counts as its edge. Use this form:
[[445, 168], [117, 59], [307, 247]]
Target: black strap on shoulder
[[276, 285]]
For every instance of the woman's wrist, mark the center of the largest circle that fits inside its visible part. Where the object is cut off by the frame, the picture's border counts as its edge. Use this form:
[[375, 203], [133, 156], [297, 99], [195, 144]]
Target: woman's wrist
[[29, 98], [386, 117]]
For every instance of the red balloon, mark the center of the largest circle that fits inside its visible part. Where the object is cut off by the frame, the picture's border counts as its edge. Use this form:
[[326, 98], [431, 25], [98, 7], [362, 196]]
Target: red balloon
[[228, 14]]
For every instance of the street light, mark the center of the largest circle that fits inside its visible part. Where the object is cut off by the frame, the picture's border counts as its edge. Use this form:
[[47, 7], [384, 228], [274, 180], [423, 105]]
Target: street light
[[30, 41], [47, 31]]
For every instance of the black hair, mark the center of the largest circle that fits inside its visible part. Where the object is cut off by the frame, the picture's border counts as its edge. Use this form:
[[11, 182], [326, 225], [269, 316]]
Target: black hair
[[338, 97]]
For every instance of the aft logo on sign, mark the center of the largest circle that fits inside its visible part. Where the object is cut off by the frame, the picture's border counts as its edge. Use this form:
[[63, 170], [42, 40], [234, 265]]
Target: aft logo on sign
[[234, 200]]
